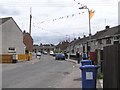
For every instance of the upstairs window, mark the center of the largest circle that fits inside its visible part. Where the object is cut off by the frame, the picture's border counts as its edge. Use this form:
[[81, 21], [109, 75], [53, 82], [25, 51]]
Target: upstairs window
[[100, 41], [108, 41]]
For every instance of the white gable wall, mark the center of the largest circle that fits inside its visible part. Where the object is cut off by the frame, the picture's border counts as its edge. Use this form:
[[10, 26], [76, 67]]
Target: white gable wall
[[12, 36]]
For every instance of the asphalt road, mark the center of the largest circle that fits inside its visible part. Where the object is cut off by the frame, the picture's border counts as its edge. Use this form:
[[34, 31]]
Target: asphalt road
[[43, 73]]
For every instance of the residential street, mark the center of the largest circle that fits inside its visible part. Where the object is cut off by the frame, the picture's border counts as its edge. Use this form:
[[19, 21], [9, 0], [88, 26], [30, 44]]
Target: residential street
[[70, 44], [43, 73]]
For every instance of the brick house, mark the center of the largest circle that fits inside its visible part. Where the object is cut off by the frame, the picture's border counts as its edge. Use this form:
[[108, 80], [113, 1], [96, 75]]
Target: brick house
[[28, 41]]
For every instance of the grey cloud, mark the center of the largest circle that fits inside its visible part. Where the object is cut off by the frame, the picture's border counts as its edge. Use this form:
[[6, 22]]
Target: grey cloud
[[46, 39], [54, 39], [9, 11]]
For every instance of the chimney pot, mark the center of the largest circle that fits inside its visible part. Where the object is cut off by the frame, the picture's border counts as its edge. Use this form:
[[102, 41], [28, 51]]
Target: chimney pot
[[107, 27]]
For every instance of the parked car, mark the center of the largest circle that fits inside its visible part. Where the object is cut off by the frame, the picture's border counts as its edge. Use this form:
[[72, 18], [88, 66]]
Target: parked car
[[59, 56], [38, 55], [52, 53], [45, 53]]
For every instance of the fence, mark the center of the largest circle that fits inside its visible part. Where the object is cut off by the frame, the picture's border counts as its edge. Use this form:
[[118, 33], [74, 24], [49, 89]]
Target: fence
[[6, 58], [24, 57], [111, 67]]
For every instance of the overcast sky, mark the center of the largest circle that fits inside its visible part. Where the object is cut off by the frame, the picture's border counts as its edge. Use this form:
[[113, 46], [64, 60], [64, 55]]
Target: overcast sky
[[73, 26]]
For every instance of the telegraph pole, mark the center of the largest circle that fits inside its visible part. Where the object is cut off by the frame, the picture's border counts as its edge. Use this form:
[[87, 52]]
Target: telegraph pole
[[30, 30], [30, 21]]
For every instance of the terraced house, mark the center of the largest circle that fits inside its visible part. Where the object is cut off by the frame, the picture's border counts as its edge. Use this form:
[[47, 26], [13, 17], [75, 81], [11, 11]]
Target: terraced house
[[101, 39]]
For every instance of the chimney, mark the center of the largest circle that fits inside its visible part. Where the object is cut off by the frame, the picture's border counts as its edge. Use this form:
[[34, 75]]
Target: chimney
[[74, 38], [78, 37], [107, 27], [84, 36], [24, 32]]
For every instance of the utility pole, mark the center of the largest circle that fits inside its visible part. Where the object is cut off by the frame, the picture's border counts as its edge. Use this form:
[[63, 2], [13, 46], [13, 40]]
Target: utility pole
[[30, 30], [30, 21]]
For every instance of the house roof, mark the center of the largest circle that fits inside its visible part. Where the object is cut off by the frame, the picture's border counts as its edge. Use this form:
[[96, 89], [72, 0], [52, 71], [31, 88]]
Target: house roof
[[109, 32], [27, 35], [3, 20], [98, 34], [82, 40], [118, 32], [73, 42]]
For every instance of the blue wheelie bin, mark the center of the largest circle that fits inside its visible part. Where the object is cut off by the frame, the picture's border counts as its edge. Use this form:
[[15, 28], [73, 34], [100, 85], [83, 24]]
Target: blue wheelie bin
[[86, 62], [89, 75]]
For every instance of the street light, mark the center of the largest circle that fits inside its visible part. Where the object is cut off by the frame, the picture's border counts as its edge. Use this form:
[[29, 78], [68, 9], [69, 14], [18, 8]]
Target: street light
[[85, 7]]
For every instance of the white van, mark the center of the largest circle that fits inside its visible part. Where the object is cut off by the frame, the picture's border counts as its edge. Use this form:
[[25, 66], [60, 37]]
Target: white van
[[51, 53]]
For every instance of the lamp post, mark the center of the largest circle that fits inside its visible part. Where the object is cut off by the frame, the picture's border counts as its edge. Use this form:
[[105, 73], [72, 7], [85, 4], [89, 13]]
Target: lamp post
[[85, 7]]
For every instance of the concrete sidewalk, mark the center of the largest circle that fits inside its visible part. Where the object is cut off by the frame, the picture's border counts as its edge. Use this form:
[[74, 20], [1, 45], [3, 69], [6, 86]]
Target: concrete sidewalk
[[72, 80], [77, 78]]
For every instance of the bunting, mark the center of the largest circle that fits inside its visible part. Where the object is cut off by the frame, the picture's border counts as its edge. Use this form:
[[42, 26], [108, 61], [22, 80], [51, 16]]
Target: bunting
[[62, 17], [91, 13]]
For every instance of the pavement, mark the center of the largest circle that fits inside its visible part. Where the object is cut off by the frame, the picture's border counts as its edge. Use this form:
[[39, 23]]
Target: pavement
[[78, 72]]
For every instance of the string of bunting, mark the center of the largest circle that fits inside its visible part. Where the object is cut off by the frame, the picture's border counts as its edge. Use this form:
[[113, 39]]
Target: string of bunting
[[62, 17]]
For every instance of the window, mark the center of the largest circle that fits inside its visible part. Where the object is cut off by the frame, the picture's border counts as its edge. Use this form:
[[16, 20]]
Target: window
[[116, 42], [116, 38], [100, 41], [72, 50], [108, 41], [11, 50], [95, 43]]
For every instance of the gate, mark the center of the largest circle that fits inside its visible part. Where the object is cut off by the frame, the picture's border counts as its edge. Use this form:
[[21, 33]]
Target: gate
[[111, 66]]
